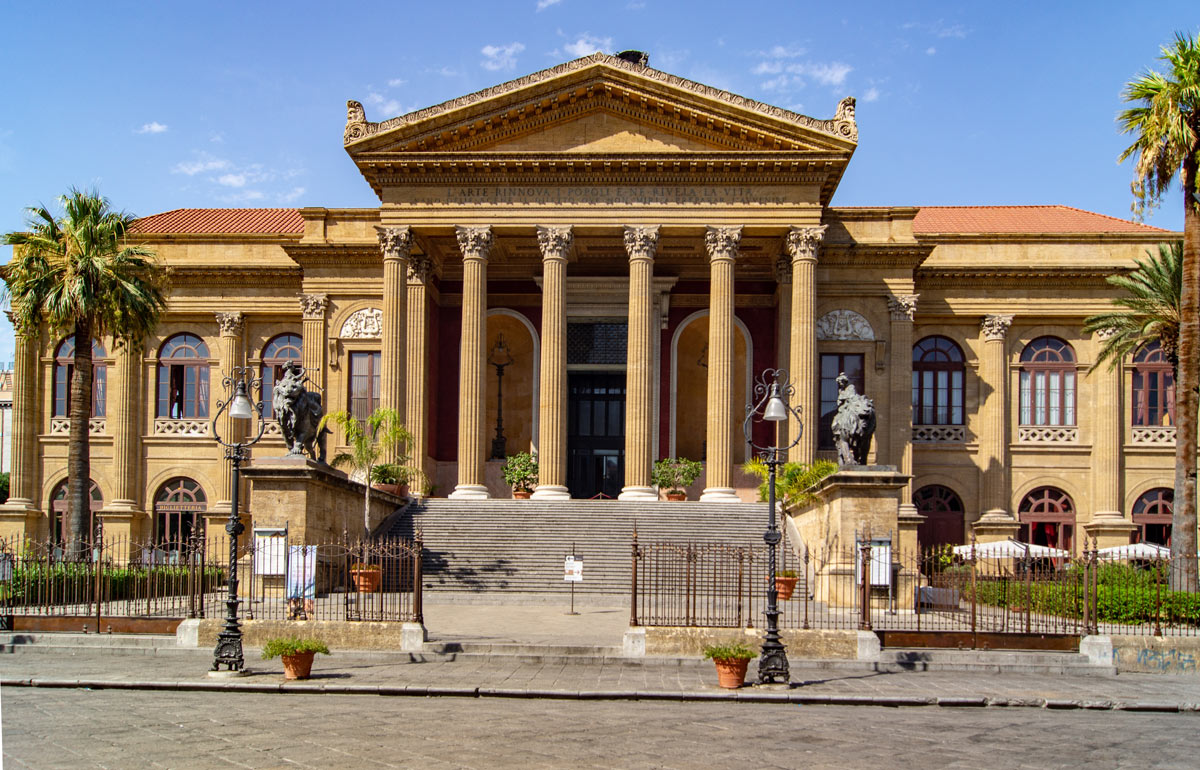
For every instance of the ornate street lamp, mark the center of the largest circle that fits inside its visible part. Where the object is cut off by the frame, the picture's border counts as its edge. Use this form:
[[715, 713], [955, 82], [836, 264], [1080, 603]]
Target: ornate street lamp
[[772, 393], [499, 357], [229, 642]]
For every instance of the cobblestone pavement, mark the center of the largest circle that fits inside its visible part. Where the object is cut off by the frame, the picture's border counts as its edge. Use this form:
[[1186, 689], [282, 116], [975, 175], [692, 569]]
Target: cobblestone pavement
[[50, 729]]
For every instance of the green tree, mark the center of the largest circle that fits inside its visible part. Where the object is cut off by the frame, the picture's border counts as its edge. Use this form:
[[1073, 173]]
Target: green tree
[[1166, 126], [1148, 311], [79, 273], [382, 435]]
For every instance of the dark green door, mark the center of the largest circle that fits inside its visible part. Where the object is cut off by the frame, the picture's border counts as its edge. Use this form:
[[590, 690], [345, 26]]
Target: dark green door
[[596, 434]]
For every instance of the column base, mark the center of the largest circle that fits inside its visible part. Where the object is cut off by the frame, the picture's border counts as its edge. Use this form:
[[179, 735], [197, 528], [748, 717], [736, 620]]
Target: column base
[[470, 492], [551, 492], [1110, 529], [638, 493], [19, 519], [996, 525], [719, 495]]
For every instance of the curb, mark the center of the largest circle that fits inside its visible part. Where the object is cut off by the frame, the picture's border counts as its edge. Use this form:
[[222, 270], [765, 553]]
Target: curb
[[776, 695]]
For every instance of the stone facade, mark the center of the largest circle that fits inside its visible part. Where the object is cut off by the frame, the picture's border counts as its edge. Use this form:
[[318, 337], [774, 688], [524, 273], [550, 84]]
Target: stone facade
[[630, 232]]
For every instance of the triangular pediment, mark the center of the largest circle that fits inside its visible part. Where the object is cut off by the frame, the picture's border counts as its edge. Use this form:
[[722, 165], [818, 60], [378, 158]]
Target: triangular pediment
[[601, 104]]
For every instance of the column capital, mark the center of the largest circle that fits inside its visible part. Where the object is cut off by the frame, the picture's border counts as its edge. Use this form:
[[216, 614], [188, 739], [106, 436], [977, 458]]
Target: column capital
[[395, 242], [231, 323], [903, 306], [722, 242], [1106, 334], [783, 269], [555, 242], [641, 242], [312, 306], [803, 242], [995, 327], [474, 242], [420, 269]]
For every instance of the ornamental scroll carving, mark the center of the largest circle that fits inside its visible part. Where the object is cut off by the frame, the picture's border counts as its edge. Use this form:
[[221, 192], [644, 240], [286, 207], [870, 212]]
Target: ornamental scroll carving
[[356, 123], [313, 306], [803, 242], [231, 323], [555, 242], [995, 327], [474, 242], [1104, 335], [395, 242], [641, 242], [844, 124], [844, 325], [365, 324], [903, 307], [420, 269], [722, 242], [783, 270]]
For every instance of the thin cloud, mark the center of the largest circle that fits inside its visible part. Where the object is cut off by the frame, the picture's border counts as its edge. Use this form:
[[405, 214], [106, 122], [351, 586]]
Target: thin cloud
[[587, 45], [500, 57], [797, 75], [396, 82], [154, 127], [544, 4], [930, 51], [871, 95], [204, 163], [232, 180], [385, 105], [446, 72], [292, 195], [939, 28]]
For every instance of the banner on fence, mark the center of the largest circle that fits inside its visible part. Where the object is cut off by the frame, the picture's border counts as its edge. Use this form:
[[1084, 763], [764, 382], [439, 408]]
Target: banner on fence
[[302, 572], [270, 550]]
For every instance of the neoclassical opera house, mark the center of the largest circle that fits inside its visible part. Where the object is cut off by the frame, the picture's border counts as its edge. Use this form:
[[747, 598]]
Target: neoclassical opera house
[[600, 257]]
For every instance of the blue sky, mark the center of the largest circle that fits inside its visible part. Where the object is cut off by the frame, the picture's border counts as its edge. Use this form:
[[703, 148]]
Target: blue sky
[[168, 105]]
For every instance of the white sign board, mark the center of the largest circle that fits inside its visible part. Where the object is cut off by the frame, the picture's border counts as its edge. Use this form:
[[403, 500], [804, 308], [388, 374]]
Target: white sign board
[[573, 570], [6, 567], [302, 572], [270, 550], [881, 563]]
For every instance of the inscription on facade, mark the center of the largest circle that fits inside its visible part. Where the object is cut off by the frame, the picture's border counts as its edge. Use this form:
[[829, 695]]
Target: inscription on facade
[[602, 195]]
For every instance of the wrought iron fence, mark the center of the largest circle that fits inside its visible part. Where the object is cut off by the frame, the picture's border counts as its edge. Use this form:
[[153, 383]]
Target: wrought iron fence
[[116, 577], [971, 592]]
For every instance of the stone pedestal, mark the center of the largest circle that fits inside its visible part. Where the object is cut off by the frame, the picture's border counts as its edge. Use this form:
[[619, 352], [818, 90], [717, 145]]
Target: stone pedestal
[[994, 527], [18, 519], [1110, 531]]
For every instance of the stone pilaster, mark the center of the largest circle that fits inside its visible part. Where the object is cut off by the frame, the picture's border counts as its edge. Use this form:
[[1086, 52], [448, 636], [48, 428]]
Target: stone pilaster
[[230, 355], [803, 244], [783, 330], [475, 243], [123, 515], [902, 308], [420, 272], [722, 245], [19, 516], [1108, 524], [556, 244], [997, 522], [395, 243], [312, 308], [641, 243]]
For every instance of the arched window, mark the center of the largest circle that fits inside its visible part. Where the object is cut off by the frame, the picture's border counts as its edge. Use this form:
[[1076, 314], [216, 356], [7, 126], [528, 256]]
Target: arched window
[[183, 378], [1153, 387], [177, 511], [1152, 514], [278, 352], [943, 511], [937, 382], [64, 368], [1047, 383], [1047, 517], [59, 510]]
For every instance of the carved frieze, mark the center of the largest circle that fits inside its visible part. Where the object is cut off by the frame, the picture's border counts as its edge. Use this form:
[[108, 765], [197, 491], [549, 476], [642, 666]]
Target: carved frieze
[[555, 242], [313, 306], [903, 307], [231, 323], [641, 242], [420, 269], [995, 327], [1104, 335], [395, 242], [844, 325], [474, 242], [803, 242], [722, 242], [363, 324]]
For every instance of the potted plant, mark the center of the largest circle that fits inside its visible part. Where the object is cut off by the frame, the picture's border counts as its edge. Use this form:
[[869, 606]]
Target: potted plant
[[520, 473], [785, 583], [672, 474], [395, 478], [297, 654], [367, 577], [731, 661], [381, 434]]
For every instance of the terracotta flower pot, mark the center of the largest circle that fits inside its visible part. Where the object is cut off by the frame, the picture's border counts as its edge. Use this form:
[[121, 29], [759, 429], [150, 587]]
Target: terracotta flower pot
[[521, 494], [399, 490], [677, 497], [731, 672], [367, 581], [785, 587], [298, 666]]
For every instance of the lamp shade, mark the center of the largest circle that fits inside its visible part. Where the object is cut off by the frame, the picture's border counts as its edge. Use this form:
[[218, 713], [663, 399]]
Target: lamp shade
[[776, 411], [241, 408]]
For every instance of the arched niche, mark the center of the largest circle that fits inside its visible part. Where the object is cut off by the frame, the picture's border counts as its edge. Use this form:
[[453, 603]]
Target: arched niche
[[689, 386], [521, 381]]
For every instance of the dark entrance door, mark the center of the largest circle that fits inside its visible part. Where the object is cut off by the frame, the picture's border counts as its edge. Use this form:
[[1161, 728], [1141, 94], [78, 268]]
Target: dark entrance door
[[595, 434]]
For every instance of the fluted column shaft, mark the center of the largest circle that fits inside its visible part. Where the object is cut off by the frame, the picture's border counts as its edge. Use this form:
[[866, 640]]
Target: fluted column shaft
[[127, 434], [722, 244], [555, 244], [420, 271], [641, 244], [474, 243], [23, 484], [1106, 444], [395, 243], [803, 244], [312, 307], [230, 355], [902, 308], [783, 331], [993, 418]]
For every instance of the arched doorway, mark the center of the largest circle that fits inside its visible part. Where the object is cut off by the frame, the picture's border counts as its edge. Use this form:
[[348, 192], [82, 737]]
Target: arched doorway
[[178, 509], [1047, 517], [943, 511], [59, 512], [1152, 514]]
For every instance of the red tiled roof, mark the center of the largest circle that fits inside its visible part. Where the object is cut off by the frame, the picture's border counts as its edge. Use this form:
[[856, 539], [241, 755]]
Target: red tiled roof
[[1021, 219], [222, 222]]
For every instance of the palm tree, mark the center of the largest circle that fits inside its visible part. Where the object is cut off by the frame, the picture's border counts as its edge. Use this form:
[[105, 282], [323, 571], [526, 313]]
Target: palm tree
[[79, 274], [1149, 311], [1166, 127], [381, 435]]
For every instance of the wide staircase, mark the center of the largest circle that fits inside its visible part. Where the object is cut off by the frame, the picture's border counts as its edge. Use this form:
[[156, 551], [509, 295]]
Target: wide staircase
[[495, 548]]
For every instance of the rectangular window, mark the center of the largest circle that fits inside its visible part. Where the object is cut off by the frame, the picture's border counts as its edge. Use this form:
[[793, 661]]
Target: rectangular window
[[833, 364], [364, 384]]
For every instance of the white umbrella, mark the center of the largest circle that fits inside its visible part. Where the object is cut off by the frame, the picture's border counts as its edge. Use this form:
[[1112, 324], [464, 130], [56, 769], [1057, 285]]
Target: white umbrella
[[1010, 549], [1135, 551]]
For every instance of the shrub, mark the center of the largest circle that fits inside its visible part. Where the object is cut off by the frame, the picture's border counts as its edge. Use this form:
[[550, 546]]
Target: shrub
[[520, 471], [786, 573], [672, 474], [792, 480], [736, 651], [284, 645]]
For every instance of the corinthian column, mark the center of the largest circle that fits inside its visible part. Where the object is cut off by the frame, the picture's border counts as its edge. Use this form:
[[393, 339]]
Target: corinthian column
[[474, 243], [803, 244], [783, 330], [1108, 525], [395, 243], [312, 307], [420, 271], [722, 244], [230, 355], [19, 516], [556, 244], [640, 244], [997, 521], [902, 308]]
